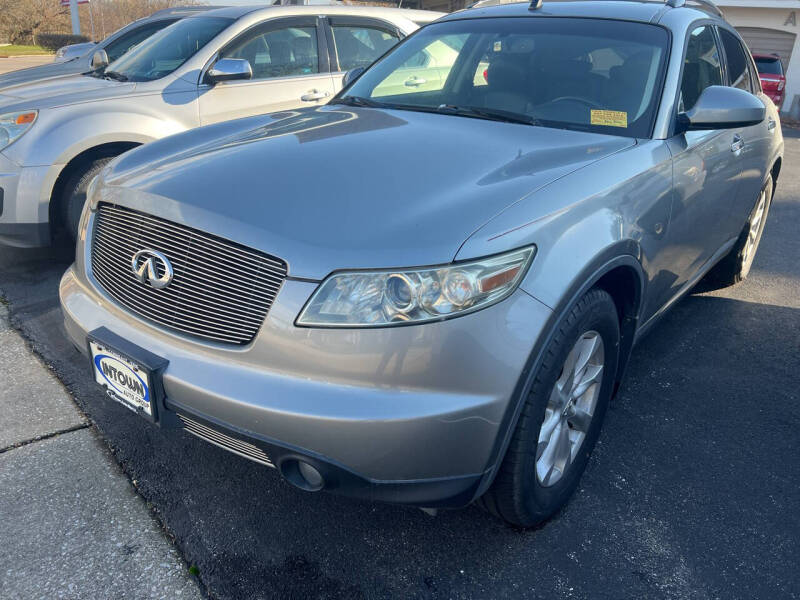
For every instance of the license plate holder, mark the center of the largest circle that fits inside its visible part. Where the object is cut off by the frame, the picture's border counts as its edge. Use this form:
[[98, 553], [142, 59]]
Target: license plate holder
[[130, 374]]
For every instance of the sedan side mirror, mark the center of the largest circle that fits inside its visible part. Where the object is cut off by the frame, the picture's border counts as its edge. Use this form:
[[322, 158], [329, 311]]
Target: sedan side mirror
[[99, 59], [721, 107], [352, 75], [229, 69]]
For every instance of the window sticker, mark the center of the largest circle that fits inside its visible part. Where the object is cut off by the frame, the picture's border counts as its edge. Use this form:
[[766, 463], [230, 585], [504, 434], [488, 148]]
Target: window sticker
[[610, 118], [498, 46]]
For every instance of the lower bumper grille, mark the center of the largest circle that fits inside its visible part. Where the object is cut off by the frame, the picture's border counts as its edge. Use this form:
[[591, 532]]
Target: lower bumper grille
[[225, 441]]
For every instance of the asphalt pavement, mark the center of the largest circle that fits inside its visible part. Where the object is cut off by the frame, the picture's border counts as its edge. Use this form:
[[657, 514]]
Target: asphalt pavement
[[692, 491], [22, 62]]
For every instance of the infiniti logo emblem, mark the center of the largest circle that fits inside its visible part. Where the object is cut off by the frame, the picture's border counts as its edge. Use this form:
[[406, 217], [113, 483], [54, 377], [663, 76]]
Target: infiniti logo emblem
[[152, 267]]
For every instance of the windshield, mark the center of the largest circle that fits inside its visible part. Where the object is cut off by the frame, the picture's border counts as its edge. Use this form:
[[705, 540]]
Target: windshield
[[161, 54], [769, 66], [595, 75]]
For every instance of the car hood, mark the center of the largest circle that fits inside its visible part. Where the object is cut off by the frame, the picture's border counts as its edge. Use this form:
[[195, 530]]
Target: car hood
[[22, 76], [59, 91], [345, 188]]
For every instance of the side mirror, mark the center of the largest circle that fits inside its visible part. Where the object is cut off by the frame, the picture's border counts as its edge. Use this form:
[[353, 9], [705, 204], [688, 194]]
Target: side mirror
[[721, 107], [352, 75], [229, 69], [99, 59]]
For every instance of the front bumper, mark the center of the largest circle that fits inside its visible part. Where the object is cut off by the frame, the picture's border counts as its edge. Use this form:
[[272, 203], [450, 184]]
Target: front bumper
[[409, 414], [24, 210]]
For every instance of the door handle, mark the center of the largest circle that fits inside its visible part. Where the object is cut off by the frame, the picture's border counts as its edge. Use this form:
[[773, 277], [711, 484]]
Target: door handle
[[771, 125], [313, 96], [414, 81], [737, 145]]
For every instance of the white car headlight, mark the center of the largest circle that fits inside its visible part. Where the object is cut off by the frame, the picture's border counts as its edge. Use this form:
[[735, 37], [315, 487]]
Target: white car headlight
[[405, 296], [13, 125]]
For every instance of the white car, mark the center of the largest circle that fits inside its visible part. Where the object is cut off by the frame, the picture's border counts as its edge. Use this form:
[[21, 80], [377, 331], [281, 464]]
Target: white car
[[206, 68], [71, 51]]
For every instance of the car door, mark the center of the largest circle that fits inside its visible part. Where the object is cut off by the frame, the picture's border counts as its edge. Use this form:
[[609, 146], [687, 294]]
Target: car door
[[289, 59], [752, 158], [705, 166], [358, 42]]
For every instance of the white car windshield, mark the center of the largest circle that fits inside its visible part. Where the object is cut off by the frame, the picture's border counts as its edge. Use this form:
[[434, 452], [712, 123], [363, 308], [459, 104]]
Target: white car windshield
[[162, 53], [587, 74]]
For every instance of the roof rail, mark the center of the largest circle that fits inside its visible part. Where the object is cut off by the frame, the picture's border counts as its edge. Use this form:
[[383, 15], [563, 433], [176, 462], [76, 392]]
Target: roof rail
[[709, 5]]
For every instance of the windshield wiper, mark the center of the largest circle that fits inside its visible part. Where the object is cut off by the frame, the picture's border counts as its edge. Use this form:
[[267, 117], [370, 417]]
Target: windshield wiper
[[357, 101], [487, 113], [115, 76]]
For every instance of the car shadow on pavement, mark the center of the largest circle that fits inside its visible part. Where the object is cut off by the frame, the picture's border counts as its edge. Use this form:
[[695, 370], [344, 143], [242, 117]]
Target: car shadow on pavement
[[695, 473]]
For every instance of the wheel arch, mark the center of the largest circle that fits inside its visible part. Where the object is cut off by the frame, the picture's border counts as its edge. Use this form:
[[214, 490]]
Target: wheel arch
[[775, 171], [77, 162], [623, 277]]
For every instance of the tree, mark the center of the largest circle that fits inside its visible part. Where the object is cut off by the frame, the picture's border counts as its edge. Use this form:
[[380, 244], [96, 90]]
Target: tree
[[21, 19]]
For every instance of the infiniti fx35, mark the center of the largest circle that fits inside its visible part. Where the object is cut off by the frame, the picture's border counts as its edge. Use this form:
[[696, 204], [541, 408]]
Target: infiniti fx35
[[427, 291]]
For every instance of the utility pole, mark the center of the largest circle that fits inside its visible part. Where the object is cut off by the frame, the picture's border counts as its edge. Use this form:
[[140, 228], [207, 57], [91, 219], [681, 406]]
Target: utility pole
[[76, 18]]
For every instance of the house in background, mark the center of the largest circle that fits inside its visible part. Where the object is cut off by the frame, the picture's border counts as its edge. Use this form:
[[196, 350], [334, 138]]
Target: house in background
[[771, 27]]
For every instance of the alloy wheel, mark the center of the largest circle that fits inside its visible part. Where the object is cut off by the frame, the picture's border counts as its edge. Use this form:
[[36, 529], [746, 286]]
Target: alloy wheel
[[570, 409]]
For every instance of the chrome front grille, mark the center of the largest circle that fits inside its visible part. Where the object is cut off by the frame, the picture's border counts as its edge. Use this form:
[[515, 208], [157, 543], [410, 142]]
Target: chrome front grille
[[220, 291], [225, 441]]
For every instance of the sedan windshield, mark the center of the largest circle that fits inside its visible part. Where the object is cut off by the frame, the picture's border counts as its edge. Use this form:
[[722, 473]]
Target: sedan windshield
[[591, 75], [161, 54]]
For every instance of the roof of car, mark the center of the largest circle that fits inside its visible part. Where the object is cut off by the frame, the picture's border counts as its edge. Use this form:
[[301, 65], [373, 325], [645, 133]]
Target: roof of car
[[179, 11], [645, 11], [237, 12]]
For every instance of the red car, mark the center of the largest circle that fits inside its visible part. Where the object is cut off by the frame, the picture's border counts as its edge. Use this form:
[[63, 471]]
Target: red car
[[770, 72]]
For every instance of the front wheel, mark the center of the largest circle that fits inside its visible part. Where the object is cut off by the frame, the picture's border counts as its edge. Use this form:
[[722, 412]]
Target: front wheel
[[561, 417], [75, 194]]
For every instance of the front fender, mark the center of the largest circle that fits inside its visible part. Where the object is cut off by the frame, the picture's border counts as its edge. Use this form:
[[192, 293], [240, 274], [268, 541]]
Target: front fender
[[619, 206]]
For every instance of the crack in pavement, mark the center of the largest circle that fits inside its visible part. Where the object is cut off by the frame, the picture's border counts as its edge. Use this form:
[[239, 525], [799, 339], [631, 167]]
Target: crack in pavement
[[45, 436]]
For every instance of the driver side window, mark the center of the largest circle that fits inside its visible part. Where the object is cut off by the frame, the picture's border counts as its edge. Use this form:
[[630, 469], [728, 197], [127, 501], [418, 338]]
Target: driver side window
[[283, 52], [701, 67]]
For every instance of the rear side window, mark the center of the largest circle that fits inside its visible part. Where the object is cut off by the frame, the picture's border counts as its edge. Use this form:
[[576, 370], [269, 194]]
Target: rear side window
[[769, 66], [360, 46], [737, 63], [701, 67]]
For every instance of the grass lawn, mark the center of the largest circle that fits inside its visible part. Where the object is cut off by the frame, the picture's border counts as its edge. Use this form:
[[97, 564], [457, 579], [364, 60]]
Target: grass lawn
[[14, 50]]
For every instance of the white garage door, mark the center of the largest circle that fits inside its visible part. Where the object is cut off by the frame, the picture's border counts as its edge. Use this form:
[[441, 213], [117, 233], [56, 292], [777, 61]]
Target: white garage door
[[769, 41]]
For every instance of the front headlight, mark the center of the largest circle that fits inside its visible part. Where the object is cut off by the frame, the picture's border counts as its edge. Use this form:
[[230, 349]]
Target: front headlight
[[13, 125], [405, 296]]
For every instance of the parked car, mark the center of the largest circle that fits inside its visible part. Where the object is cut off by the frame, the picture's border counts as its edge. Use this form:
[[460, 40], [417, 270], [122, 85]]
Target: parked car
[[429, 296], [772, 77], [108, 50], [71, 51], [232, 62]]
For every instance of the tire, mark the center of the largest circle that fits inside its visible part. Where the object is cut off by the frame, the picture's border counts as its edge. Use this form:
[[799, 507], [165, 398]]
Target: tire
[[74, 196], [523, 494], [735, 267]]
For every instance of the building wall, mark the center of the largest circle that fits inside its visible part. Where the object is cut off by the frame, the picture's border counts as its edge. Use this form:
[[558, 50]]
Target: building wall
[[777, 16]]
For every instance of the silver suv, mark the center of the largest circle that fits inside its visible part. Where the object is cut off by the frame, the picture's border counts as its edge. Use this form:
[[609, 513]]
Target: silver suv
[[79, 58], [427, 291], [211, 66]]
